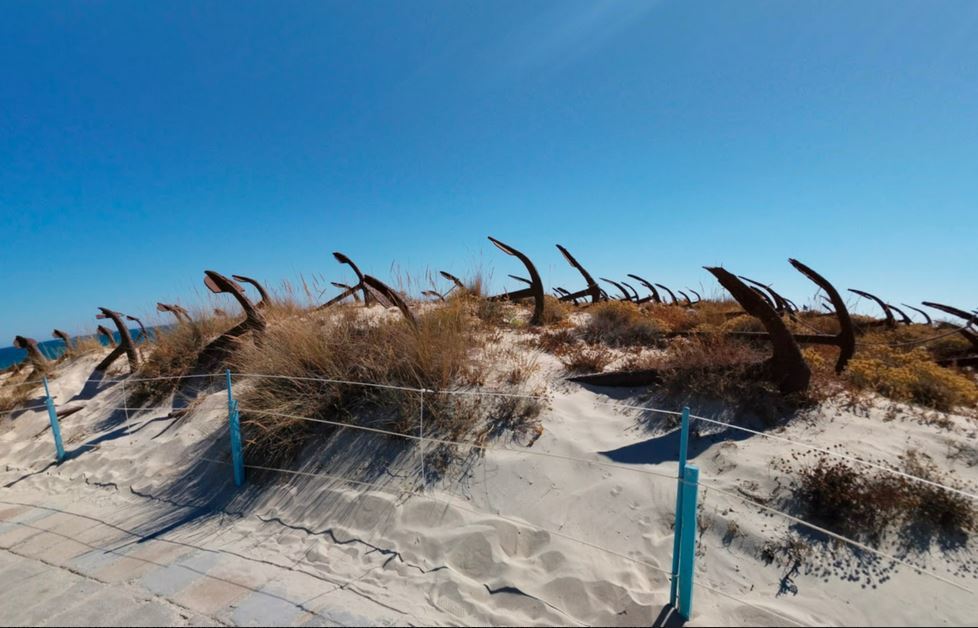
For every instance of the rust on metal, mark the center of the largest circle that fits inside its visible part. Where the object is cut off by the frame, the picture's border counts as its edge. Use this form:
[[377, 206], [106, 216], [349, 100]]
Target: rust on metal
[[927, 318], [971, 319], [685, 296], [903, 315], [535, 291], [125, 346], [391, 295], [890, 321], [648, 285], [591, 288], [254, 320], [65, 338], [143, 335], [265, 299], [103, 331], [456, 282], [787, 367], [564, 294], [669, 292], [34, 354], [846, 338], [343, 259], [433, 294], [776, 300], [698, 297], [634, 292], [621, 289], [181, 314], [348, 290]]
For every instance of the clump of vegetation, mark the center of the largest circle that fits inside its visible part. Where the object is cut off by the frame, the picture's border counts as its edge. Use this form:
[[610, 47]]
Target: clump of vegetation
[[913, 377], [554, 311], [743, 322], [442, 354], [620, 324], [172, 353], [864, 504], [581, 358], [16, 392], [556, 342]]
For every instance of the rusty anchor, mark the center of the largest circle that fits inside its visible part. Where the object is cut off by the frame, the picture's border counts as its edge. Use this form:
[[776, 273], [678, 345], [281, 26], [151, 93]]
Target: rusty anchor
[[126, 344], [181, 314], [391, 295], [889, 321], [143, 334], [669, 292], [654, 294], [928, 320], [535, 291], [37, 359], [103, 331], [591, 288], [253, 322], [621, 289], [265, 299], [65, 338]]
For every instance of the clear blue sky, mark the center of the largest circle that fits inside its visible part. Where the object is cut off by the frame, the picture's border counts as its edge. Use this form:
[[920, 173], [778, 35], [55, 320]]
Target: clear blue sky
[[142, 142]]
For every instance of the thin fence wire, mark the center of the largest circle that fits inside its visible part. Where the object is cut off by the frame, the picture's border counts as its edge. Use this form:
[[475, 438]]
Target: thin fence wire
[[435, 497], [803, 444], [422, 439], [716, 489], [442, 441]]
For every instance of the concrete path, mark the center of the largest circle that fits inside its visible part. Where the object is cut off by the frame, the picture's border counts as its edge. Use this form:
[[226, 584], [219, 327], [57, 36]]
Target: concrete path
[[63, 568]]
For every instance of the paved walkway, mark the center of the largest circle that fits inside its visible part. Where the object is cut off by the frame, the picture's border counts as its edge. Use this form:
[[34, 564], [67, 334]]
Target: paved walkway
[[61, 568]]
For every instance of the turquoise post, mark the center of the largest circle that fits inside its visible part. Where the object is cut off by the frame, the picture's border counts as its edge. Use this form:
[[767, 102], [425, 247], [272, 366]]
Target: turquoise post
[[55, 426], [237, 456], [678, 528], [688, 542]]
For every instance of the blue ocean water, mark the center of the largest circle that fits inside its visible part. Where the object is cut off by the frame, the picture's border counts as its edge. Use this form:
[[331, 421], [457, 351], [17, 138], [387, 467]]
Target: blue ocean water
[[53, 348]]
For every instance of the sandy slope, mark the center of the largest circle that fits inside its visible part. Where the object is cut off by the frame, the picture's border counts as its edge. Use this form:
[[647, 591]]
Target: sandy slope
[[496, 543]]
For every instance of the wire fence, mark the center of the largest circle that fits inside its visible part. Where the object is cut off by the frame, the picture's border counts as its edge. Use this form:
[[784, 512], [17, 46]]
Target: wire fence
[[710, 485]]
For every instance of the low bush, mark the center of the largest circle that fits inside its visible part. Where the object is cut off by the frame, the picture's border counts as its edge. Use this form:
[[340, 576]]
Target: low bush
[[912, 377], [864, 504], [442, 354], [581, 358], [620, 324], [172, 353]]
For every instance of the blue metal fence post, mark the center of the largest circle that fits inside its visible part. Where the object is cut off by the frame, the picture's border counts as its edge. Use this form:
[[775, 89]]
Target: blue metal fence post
[[687, 549], [678, 528], [55, 426], [237, 456]]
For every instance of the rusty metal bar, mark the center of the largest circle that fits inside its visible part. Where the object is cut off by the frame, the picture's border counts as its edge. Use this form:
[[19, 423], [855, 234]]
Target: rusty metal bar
[[391, 295], [126, 345], [592, 290], [649, 286], [265, 299], [890, 321], [847, 334], [536, 285], [926, 316], [38, 361], [669, 292]]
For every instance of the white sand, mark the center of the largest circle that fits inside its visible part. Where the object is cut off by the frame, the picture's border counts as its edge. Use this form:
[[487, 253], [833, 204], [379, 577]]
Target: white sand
[[494, 546]]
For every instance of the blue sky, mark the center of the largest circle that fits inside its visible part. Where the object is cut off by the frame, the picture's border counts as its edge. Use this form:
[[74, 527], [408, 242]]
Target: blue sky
[[141, 143]]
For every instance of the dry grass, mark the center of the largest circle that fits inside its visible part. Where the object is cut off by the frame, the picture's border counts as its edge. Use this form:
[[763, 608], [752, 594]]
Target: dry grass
[[912, 377], [172, 353], [440, 355], [581, 358], [16, 391], [865, 504], [620, 324], [557, 342]]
